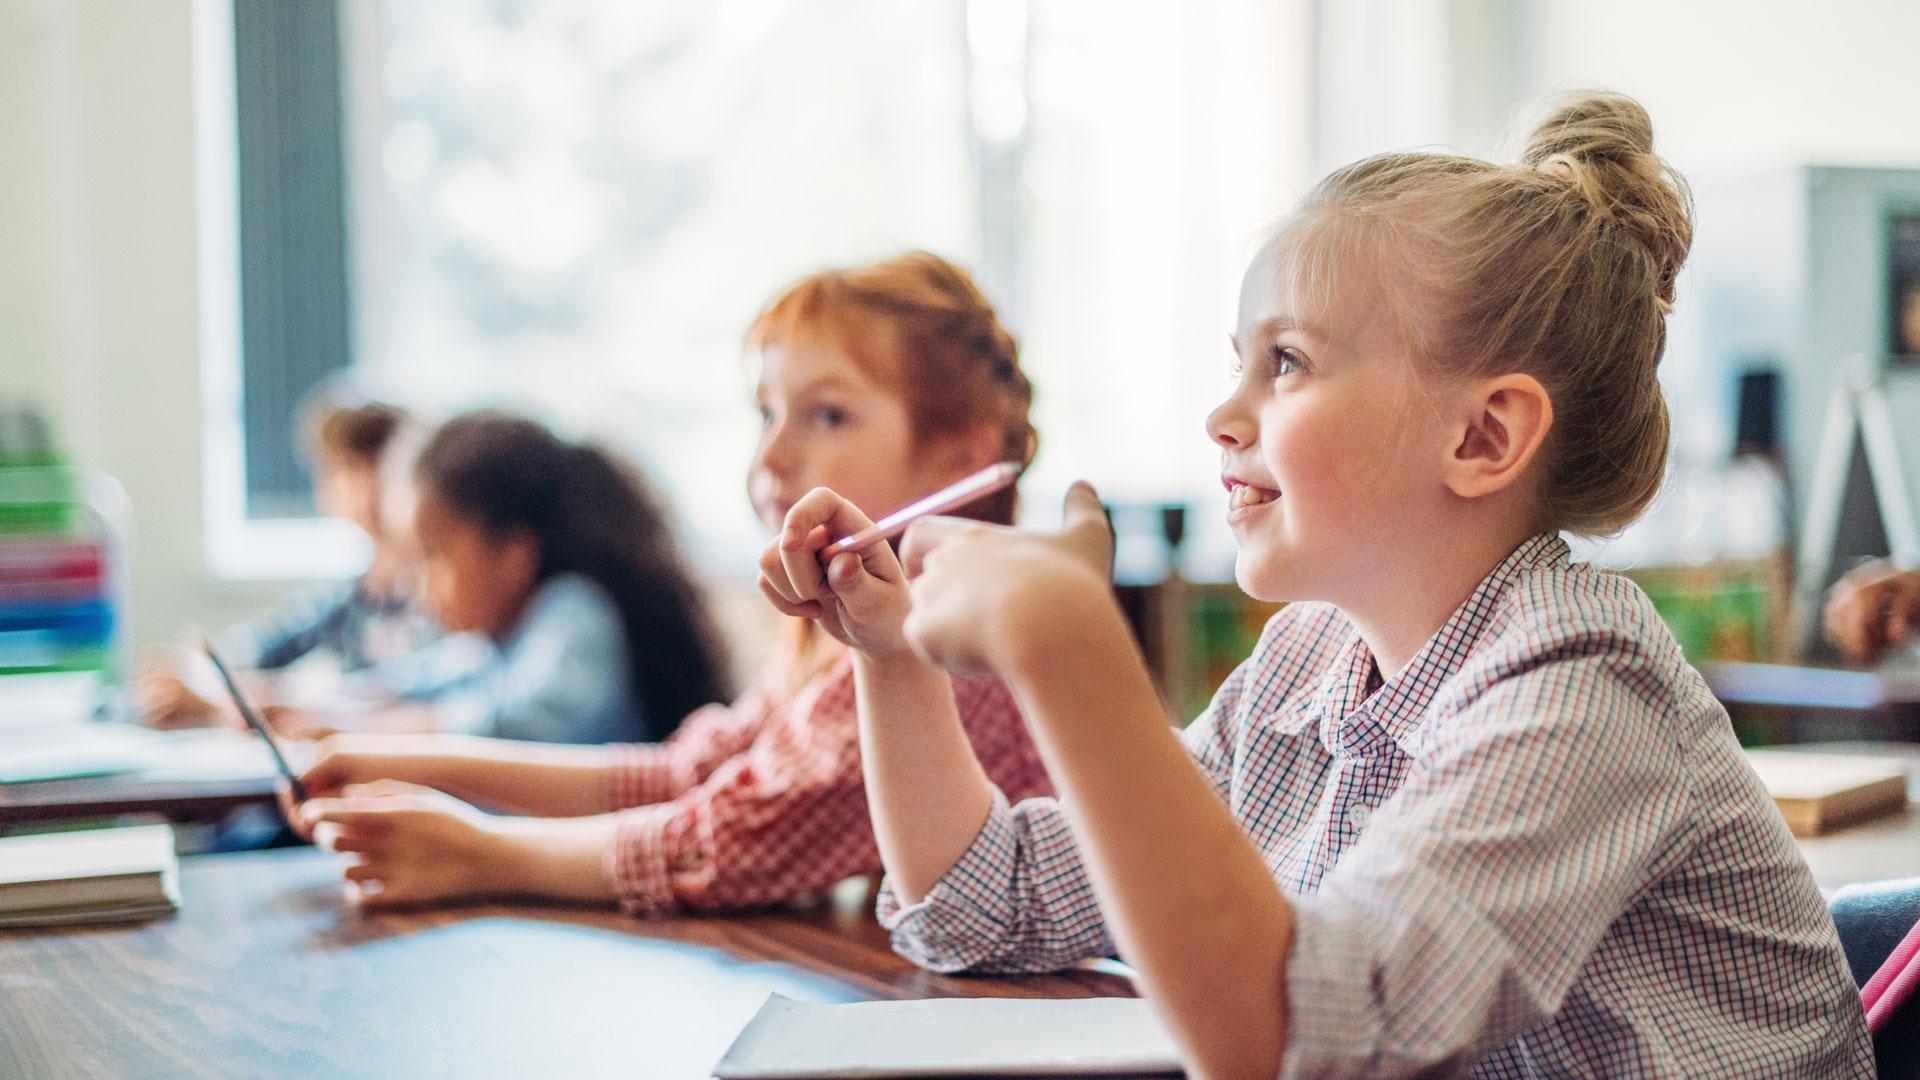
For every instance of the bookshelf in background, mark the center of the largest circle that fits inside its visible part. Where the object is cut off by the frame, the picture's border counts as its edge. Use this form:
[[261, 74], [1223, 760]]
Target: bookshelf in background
[[61, 602]]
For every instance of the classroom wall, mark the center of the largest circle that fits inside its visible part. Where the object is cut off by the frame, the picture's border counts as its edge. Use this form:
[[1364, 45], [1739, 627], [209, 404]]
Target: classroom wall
[[98, 298], [1739, 93], [1745, 83]]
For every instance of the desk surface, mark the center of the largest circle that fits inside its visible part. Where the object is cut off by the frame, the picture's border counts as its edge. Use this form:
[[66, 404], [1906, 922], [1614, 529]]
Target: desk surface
[[266, 972]]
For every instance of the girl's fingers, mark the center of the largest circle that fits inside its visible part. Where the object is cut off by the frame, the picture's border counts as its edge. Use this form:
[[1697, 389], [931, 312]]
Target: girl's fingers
[[856, 589], [799, 549], [928, 535], [289, 808], [363, 872], [773, 576], [366, 814], [356, 841], [1086, 527], [813, 523], [809, 609], [385, 789]]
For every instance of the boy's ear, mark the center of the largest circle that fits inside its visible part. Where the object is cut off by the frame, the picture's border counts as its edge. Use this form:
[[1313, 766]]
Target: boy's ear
[[1506, 419]]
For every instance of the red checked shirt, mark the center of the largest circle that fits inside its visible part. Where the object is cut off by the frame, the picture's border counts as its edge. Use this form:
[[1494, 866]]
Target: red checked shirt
[[1536, 852], [763, 801]]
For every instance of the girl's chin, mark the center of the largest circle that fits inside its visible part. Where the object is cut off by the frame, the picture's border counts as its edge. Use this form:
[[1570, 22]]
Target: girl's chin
[[1261, 583]]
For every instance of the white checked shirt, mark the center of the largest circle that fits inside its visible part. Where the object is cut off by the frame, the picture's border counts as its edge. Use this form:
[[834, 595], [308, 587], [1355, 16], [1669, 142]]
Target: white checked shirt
[[1536, 852]]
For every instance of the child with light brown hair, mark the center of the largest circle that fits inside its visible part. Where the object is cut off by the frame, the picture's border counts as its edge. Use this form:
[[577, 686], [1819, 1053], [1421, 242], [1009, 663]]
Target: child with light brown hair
[[888, 382], [360, 624], [1466, 810]]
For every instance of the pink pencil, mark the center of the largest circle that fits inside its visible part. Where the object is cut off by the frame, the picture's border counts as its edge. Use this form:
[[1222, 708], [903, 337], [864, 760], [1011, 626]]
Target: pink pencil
[[978, 486]]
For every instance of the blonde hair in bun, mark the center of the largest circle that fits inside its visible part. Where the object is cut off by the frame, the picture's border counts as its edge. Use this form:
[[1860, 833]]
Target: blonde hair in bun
[[1561, 266]]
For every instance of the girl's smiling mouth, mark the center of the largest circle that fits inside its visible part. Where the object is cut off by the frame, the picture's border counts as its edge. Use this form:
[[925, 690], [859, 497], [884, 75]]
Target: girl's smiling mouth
[[1243, 496]]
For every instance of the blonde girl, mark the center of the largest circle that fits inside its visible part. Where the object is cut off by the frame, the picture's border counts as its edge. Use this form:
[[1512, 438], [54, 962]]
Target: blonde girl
[[1465, 810]]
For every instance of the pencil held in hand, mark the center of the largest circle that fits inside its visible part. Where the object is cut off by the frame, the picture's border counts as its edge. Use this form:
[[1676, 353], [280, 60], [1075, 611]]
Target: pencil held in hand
[[978, 486]]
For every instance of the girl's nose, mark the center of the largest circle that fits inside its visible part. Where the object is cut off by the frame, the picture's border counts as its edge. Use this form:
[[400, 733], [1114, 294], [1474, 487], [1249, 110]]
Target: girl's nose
[[775, 453], [1227, 424]]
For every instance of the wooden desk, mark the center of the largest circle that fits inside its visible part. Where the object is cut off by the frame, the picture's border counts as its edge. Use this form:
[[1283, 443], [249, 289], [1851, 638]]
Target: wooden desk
[[265, 972]]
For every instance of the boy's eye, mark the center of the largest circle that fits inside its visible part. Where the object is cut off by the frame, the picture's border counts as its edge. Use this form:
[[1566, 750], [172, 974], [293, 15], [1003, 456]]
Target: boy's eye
[[829, 415]]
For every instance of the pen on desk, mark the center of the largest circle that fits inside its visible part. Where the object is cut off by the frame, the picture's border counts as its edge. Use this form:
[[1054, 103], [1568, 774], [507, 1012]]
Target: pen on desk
[[978, 486]]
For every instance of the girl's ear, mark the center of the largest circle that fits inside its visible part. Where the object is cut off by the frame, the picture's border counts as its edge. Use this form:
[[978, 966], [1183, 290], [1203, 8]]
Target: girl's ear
[[1506, 421], [969, 451]]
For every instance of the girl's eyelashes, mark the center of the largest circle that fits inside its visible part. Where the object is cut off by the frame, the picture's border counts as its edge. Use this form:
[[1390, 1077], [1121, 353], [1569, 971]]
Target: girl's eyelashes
[[819, 415], [1285, 361], [1276, 361]]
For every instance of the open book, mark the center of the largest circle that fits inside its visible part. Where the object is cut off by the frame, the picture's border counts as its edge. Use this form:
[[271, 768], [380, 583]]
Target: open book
[[100, 875], [794, 1040]]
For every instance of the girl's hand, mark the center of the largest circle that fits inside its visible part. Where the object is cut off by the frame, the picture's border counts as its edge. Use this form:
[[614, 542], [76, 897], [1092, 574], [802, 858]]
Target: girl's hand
[[414, 845], [985, 596], [1872, 609], [343, 760], [860, 598], [338, 762]]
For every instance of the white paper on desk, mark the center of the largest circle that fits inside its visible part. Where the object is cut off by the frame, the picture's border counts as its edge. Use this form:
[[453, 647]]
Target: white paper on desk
[[794, 1040], [60, 750]]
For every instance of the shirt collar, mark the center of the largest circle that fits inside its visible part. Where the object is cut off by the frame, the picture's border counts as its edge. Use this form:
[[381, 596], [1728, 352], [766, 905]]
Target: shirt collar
[[1357, 709]]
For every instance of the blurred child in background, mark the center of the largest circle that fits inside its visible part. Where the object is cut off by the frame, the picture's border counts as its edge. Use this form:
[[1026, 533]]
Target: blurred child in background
[[563, 558], [357, 624]]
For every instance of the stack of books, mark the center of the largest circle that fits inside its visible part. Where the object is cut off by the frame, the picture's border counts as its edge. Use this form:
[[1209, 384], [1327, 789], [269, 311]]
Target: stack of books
[[56, 612], [100, 875]]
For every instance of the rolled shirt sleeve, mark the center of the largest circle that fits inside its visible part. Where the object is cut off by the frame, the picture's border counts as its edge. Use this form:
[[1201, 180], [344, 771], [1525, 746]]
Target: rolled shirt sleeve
[[1018, 899]]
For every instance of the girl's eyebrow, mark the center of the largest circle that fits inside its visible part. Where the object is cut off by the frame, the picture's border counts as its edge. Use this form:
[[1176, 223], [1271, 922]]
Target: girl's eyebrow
[[824, 382], [1280, 324]]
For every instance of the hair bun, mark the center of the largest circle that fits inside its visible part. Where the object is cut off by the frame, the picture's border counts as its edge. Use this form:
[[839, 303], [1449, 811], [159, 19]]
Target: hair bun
[[1601, 145]]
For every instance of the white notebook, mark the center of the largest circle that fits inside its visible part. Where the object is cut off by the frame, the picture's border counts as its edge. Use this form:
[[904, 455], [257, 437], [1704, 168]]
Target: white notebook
[[99, 875], [795, 1040]]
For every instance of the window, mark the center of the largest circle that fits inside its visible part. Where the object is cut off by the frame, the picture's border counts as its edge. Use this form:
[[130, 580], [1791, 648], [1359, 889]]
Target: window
[[577, 208], [574, 208]]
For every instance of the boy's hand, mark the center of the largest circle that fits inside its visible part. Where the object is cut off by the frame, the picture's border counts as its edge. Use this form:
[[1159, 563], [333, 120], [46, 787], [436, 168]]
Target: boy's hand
[[1872, 609], [414, 845], [860, 598], [985, 595], [165, 701]]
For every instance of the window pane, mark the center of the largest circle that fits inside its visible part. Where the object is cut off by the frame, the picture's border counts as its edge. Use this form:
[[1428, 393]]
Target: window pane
[[577, 207]]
